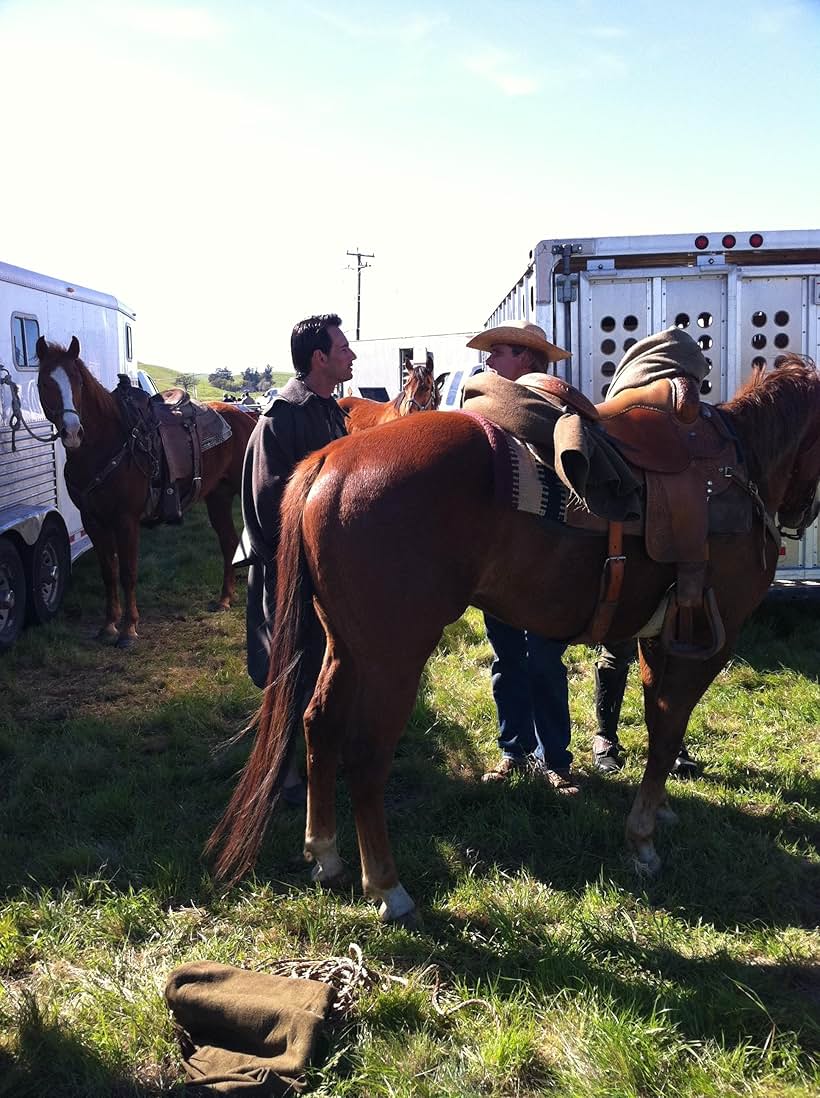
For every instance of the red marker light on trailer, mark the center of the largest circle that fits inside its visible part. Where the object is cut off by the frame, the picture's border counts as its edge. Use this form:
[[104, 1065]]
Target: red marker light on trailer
[[755, 240], [701, 242], [729, 241]]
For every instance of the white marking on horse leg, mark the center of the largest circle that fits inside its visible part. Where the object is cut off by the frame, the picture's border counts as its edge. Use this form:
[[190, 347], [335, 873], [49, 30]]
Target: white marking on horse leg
[[329, 866], [396, 904], [640, 828], [71, 421]]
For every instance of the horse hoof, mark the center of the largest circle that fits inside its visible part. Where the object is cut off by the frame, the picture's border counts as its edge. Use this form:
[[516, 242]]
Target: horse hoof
[[126, 641], [397, 907], [410, 920], [339, 882], [104, 637], [646, 862], [215, 607]]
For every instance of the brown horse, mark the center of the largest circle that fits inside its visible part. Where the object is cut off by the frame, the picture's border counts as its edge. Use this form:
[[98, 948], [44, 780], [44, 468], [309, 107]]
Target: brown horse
[[109, 483], [358, 518], [421, 393]]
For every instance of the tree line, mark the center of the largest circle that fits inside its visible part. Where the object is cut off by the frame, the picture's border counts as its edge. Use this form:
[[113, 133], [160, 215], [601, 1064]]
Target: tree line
[[251, 379]]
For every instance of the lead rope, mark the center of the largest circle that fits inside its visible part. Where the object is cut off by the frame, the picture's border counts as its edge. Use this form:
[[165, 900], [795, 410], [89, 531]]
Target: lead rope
[[16, 420]]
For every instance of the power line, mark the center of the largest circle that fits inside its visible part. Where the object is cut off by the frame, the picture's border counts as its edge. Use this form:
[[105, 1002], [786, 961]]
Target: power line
[[358, 269]]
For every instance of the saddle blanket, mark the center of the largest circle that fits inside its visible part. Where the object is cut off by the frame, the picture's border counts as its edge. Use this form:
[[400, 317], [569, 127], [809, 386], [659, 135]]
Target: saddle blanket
[[522, 482]]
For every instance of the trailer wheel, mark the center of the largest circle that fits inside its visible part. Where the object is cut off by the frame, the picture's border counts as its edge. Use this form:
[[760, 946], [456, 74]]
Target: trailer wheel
[[12, 594], [49, 566]]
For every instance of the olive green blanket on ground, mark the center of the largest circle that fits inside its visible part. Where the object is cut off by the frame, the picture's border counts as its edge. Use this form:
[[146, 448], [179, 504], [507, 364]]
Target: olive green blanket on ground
[[251, 1033]]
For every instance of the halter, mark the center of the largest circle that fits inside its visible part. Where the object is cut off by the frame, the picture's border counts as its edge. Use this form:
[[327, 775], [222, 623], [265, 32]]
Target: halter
[[806, 462]]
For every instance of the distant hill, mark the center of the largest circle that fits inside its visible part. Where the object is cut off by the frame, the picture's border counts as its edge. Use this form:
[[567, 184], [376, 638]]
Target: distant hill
[[165, 378]]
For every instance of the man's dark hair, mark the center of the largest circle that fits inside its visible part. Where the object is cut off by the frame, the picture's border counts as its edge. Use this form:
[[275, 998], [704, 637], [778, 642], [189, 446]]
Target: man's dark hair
[[311, 335]]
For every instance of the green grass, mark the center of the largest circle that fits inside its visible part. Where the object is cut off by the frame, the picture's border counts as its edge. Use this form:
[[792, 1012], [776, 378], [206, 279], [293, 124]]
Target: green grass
[[543, 964], [165, 378]]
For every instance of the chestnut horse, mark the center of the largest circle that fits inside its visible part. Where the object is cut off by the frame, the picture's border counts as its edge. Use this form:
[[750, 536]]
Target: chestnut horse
[[421, 393], [111, 494], [362, 515]]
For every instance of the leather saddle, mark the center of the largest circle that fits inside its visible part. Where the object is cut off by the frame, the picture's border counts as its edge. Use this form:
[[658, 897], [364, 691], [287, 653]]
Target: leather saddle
[[682, 449], [170, 432]]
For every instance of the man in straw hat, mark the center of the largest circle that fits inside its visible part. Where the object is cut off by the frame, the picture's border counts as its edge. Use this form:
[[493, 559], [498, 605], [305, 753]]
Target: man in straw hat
[[529, 679]]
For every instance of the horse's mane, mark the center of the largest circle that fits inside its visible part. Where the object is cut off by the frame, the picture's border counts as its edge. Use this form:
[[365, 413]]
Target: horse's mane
[[770, 409]]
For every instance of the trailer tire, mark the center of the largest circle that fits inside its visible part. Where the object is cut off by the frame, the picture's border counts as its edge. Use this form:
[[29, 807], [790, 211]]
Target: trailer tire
[[12, 593], [49, 566]]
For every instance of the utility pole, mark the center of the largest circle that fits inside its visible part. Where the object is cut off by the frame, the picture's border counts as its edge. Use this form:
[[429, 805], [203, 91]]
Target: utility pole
[[358, 269]]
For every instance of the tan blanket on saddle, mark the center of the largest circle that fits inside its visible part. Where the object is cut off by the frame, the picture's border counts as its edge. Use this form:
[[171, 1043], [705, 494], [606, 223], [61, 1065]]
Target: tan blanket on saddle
[[251, 1033], [585, 459], [665, 354]]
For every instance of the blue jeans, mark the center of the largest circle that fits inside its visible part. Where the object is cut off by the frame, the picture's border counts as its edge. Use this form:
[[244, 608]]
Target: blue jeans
[[530, 690]]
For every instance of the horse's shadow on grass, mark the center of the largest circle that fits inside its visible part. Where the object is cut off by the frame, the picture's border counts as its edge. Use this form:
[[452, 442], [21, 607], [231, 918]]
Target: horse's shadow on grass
[[50, 1061], [767, 642], [714, 998]]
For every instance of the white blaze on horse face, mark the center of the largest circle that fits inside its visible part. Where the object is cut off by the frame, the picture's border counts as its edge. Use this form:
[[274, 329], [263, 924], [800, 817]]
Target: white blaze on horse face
[[71, 421]]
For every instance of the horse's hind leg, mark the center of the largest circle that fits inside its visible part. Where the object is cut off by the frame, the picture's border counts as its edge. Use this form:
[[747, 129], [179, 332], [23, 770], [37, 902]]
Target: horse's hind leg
[[220, 513], [384, 704], [672, 687], [325, 723]]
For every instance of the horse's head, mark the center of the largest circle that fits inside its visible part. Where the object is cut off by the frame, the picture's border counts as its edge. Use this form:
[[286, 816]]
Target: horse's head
[[60, 386], [800, 505], [422, 392]]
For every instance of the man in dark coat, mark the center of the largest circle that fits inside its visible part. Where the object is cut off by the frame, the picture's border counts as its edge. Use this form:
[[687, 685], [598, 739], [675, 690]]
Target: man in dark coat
[[301, 418]]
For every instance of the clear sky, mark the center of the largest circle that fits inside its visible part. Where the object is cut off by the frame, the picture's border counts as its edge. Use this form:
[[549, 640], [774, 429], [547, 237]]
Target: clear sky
[[211, 163]]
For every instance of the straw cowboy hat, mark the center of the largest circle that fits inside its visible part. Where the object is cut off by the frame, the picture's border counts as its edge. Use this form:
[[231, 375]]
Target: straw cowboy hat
[[518, 333]]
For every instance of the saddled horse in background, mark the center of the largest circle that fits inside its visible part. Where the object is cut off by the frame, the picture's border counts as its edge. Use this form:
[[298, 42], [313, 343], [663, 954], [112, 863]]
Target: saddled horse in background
[[364, 518], [109, 482], [421, 393]]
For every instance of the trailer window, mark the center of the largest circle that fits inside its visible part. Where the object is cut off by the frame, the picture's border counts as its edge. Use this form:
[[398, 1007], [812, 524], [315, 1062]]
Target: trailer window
[[129, 343], [25, 331]]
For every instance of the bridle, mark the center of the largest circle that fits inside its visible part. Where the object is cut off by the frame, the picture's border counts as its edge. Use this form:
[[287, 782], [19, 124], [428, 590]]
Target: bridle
[[411, 403], [808, 461]]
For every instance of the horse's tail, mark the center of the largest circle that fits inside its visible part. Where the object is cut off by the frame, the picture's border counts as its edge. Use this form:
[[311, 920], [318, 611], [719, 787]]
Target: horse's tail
[[237, 837]]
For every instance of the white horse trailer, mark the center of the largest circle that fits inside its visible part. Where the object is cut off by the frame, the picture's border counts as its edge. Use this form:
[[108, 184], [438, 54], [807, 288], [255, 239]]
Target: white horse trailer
[[41, 532], [746, 298]]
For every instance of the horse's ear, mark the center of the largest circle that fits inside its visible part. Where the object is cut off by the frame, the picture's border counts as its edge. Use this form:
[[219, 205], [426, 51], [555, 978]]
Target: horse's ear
[[74, 347], [42, 348]]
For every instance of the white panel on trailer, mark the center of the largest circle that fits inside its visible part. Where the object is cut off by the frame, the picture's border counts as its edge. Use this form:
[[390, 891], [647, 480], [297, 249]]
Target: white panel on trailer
[[697, 304]]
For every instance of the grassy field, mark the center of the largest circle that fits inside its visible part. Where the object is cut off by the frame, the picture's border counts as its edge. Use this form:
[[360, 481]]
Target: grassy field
[[543, 965], [165, 378]]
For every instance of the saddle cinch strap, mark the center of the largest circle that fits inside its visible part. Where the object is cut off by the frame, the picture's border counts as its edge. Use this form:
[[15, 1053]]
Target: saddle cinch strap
[[682, 449]]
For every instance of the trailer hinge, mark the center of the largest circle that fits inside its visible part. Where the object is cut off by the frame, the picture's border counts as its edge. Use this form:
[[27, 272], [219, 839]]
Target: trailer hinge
[[566, 288]]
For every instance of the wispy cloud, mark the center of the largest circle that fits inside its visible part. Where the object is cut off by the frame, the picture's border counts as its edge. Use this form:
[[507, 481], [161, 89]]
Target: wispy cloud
[[186, 22], [775, 19], [410, 29], [501, 69], [606, 32]]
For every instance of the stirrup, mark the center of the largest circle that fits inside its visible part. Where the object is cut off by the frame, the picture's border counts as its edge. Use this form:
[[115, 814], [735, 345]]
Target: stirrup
[[676, 633]]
